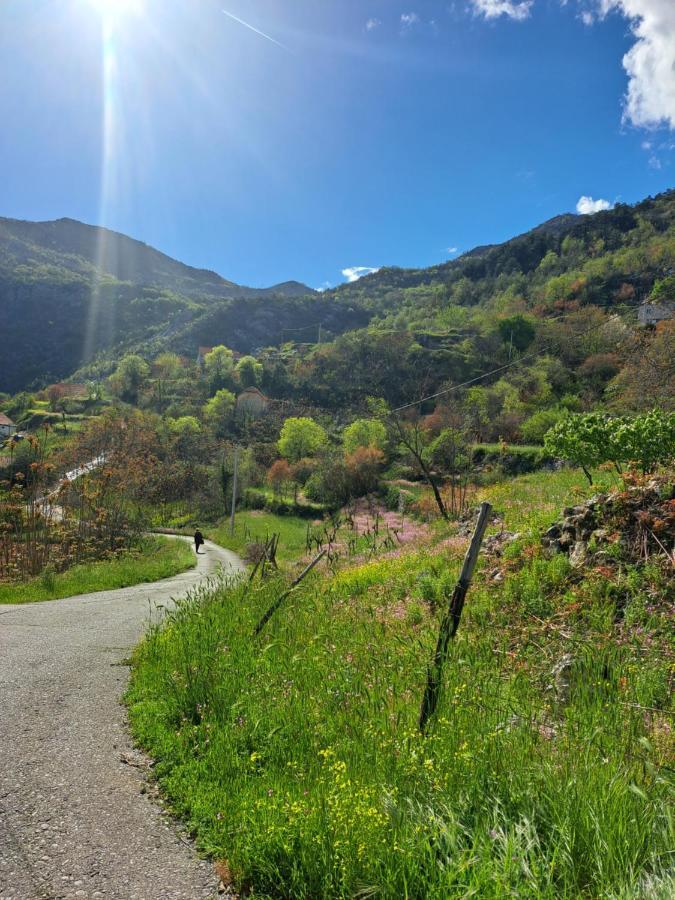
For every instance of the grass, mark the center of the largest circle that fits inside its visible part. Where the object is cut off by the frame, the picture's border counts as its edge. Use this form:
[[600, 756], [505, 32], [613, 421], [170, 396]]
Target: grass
[[158, 558], [295, 757], [255, 525]]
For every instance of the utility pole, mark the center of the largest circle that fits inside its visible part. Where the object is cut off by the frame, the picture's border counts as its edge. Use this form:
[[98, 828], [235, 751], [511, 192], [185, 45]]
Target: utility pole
[[320, 324], [234, 489]]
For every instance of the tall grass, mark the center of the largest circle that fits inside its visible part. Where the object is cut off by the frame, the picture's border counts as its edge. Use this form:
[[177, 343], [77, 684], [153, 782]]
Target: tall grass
[[157, 558], [296, 757]]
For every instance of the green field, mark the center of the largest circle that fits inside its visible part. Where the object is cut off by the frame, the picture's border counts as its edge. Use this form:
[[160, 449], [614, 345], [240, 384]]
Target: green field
[[296, 759], [158, 558], [254, 525]]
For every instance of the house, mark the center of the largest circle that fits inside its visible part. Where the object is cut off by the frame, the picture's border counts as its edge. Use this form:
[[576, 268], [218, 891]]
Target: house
[[653, 313], [7, 427], [252, 403]]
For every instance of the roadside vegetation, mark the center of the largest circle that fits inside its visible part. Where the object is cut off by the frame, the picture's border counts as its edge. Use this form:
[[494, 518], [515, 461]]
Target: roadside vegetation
[[297, 760], [518, 375], [155, 558]]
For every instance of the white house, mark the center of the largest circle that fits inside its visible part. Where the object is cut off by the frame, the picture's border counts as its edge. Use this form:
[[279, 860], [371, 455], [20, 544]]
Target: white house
[[7, 427]]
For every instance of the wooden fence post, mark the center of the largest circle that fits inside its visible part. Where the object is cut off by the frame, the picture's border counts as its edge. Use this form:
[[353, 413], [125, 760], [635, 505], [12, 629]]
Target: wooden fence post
[[450, 622], [277, 603]]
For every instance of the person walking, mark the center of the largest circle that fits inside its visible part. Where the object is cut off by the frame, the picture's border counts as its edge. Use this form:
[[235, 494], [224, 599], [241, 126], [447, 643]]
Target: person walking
[[199, 540]]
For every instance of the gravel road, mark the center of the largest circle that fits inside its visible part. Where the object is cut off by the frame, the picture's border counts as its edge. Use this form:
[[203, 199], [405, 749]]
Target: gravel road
[[75, 818]]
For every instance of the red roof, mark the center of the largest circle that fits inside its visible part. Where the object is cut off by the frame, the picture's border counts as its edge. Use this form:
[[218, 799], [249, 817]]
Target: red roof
[[4, 420]]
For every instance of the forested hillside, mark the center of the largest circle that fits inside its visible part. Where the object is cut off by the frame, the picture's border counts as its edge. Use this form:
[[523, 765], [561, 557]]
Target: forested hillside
[[71, 292], [565, 295]]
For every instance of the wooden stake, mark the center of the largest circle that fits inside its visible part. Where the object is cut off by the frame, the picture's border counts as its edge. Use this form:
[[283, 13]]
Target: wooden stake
[[450, 622], [234, 490], [277, 603]]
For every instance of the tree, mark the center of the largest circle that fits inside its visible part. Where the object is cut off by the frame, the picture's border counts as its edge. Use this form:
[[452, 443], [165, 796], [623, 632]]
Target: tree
[[364, 433], [414, 438], [580, 439], [517, 331], [219, 366], [363, 470], [250, 371], [534, 429], [186, 432], [278, 475], [590, 439], [663, 290], [130, 377], [218, 411], [301, 437]]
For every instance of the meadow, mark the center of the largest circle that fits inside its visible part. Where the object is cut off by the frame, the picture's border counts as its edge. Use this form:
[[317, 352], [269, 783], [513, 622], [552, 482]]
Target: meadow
[[157, 558], [296, 759]]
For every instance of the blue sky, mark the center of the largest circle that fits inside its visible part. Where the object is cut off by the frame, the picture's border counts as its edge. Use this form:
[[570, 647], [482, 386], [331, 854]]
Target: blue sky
[[341, 133]]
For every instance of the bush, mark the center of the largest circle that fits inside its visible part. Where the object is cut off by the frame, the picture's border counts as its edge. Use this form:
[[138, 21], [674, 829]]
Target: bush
[[534, 429]]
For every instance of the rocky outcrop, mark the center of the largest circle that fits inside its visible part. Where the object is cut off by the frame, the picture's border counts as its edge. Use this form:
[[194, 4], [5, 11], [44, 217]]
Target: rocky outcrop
[[638, 521]]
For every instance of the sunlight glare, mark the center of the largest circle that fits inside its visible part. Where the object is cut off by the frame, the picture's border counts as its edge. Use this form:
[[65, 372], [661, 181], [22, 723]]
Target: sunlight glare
[[116, 8]]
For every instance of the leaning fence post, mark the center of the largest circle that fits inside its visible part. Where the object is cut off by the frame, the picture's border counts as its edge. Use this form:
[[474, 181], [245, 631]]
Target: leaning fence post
[[277, 603], [450, 622]]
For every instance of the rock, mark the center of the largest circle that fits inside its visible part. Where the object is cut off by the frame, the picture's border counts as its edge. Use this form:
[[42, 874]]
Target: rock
[[600, 535], [602, 558], [553, 532], [566, 540], [578, 554]]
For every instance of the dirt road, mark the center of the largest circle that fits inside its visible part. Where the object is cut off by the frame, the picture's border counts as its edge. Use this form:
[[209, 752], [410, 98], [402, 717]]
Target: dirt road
[[74, 818]]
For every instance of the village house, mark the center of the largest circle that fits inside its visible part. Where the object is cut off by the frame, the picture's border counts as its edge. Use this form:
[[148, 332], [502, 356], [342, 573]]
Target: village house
[[252, 403], [653, 313], [7, 427]]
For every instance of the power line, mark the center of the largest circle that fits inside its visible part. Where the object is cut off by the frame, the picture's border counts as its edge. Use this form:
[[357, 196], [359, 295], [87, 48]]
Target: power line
[[509, 365]]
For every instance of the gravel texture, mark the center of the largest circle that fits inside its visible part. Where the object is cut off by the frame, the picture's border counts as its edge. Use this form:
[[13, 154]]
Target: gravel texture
[[77, 818]]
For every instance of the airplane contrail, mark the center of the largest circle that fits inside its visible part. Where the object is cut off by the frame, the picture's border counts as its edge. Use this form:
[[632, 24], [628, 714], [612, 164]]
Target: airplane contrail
[[256, 30]]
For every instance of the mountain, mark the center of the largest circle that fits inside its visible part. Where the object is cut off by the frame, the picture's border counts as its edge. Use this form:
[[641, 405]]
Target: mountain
[[89, 250], [74, 296], [70, 292]]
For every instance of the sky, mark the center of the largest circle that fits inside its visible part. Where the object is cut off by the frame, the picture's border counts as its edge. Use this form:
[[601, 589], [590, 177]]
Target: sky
[[315, 140]]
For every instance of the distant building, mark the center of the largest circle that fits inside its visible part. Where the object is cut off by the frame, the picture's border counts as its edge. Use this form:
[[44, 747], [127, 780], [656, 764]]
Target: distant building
[[252, 402], [7, 427], [653, 313]]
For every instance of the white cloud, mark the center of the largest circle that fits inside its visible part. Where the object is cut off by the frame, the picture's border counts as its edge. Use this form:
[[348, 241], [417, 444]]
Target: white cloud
[[586, 206], [372, 24], [353, 273], [650, 62], [492, 9], [409, 19], [646, 145], [587, 17], [324, 286], [452, 250]]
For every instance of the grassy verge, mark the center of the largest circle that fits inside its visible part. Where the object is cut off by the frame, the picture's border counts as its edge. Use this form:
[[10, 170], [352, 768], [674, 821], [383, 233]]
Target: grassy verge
[[296, 759], [254, 525], [158, 558]]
